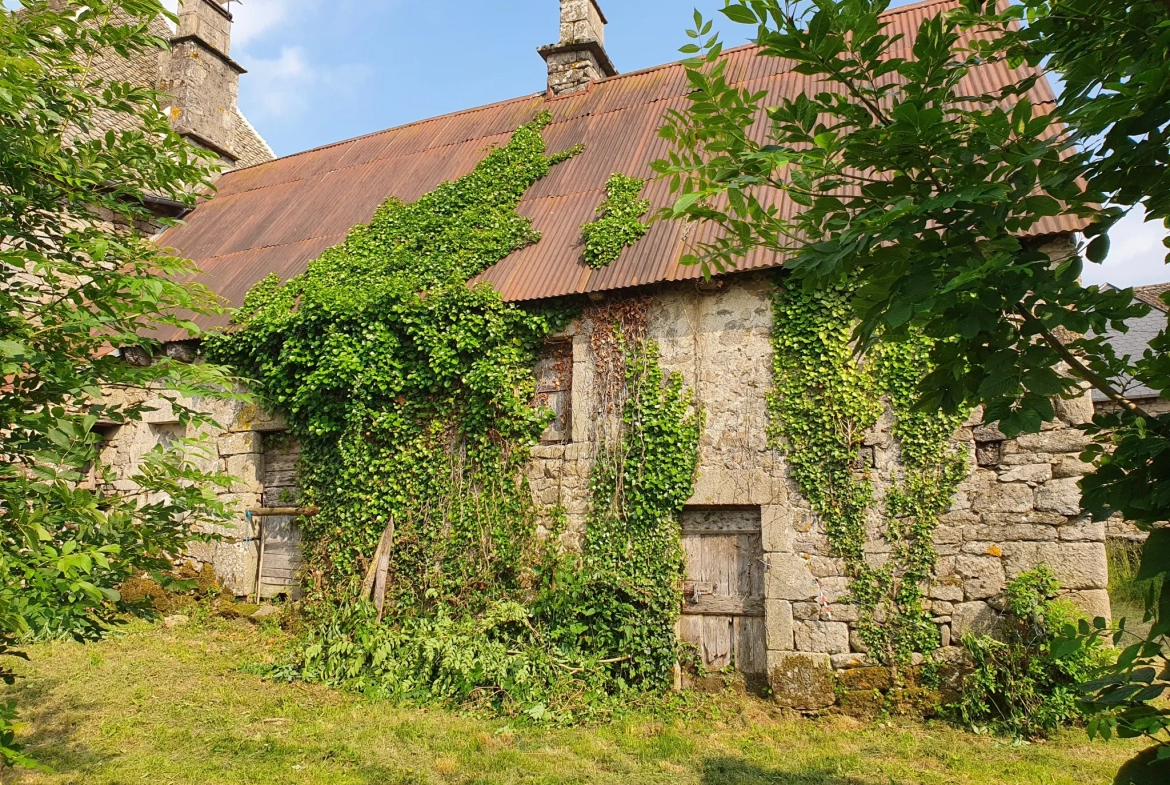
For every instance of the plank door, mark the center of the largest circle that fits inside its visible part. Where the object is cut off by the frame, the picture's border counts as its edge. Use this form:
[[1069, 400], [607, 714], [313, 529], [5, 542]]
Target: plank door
[[283, 559], [723, 594]]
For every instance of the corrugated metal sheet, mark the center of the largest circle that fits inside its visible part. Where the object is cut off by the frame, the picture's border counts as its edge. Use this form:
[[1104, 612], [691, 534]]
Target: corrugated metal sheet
[[279, 216]]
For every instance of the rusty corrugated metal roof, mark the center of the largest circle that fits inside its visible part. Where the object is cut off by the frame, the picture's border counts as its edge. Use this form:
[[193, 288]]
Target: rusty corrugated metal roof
[[279, 216]]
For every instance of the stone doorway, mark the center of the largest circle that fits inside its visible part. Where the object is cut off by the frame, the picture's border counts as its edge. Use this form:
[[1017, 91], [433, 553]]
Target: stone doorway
[[723, 594]]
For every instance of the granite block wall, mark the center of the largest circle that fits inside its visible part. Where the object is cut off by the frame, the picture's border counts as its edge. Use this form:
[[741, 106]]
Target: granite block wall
[[1019, 507]]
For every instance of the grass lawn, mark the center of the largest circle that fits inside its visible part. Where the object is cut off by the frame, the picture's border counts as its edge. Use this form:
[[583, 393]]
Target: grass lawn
[[157, 705]]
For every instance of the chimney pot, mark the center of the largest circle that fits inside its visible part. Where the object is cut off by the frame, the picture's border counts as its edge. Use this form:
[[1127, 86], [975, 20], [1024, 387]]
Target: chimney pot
[[579, 58]]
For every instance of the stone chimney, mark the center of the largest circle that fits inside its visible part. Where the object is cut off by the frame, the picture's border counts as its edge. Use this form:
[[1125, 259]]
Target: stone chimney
[[202, 79], [579, 59]]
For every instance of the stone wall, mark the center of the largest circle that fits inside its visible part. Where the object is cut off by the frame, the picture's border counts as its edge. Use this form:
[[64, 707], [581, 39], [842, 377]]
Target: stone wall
[[236, 449], [1018, 507]]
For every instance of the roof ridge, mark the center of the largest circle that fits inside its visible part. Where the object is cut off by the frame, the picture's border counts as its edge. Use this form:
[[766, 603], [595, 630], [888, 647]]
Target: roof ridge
[[916, 6]]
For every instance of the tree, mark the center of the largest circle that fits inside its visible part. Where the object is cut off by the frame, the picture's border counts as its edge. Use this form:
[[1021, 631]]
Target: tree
[[921, 192], [78, 295]]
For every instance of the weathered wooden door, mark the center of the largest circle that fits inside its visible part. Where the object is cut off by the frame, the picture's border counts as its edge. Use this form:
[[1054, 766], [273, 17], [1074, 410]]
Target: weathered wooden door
[[282, 536], [723, 605]]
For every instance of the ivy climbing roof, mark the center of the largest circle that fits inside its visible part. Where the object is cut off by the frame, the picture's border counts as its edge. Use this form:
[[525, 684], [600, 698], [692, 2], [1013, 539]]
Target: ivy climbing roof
[[279, 216]]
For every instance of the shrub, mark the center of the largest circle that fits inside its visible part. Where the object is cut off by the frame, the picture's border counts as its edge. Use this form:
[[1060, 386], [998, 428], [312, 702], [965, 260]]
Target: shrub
[[1020, 685]]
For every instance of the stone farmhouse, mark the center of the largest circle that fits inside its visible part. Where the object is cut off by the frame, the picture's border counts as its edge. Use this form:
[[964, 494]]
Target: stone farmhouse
[[764, 587]]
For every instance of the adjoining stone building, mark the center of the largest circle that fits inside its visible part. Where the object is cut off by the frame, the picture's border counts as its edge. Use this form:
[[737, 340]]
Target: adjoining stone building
[[201, 83], [1134, 344], [1018, 508]]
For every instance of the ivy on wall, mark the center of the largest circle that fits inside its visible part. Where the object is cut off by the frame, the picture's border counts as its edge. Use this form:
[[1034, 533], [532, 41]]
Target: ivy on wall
[[410, 391], [619, 221], [411, 395], [629, 595], [823, 403]]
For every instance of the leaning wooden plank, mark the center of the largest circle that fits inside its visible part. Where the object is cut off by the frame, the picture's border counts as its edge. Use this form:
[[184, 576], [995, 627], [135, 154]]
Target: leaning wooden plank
[[372, 573], [383, 570]]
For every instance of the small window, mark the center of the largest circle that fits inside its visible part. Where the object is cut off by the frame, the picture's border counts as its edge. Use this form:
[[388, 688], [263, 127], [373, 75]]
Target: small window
[[554, 390], [106, 432]]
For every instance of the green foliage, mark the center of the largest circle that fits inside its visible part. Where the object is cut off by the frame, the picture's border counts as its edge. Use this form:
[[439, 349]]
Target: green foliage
[[494, 660], [1126, 697], [911, 182], [1125, 558], [821, 406], [1025, 684], [626, 601], [618, 224], [410, 394], [1114, 59], [76, 295], [409, 391], [823, 402]]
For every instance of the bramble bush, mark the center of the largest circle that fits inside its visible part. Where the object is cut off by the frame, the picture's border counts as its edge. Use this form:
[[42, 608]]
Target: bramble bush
[[1025, 684]]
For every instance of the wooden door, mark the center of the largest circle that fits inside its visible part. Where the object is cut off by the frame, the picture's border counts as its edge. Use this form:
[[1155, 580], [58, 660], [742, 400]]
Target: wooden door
[[282, 536], [723, 595]]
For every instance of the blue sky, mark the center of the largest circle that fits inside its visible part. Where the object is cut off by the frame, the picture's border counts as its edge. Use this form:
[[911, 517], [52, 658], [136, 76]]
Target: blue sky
[[324, 70]]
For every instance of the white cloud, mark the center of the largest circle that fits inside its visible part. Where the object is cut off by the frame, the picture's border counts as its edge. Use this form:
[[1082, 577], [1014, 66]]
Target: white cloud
[[1136, 255], [278, 85], [255, 18], [284, 87]]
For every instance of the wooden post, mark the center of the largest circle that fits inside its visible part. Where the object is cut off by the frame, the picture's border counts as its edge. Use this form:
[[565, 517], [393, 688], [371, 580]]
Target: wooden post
[[285, 512], [260, 563]]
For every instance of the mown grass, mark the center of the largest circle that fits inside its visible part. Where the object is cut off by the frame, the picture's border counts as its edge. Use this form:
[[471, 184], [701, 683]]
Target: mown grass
[[177, 706]]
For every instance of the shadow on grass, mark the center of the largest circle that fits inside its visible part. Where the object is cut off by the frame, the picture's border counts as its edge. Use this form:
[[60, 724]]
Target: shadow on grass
[[49, 736], [732, 771]]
